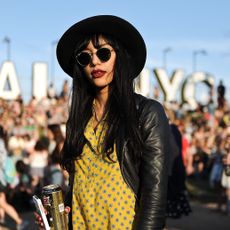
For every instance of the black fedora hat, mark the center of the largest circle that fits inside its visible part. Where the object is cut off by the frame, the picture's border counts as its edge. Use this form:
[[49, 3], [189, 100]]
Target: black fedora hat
[[105, 24]]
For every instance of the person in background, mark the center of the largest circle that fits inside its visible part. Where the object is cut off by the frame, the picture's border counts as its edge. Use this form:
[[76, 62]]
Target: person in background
[[38, 161], [178, 204], [51, 93], [217, 167], [65, 90], [221, 95], [5, 207], [54, 174], [55, 136], [225, 180], [22, 194]]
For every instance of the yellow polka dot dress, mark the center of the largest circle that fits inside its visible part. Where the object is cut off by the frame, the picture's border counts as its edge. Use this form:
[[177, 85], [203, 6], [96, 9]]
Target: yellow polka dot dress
[[101, 198]]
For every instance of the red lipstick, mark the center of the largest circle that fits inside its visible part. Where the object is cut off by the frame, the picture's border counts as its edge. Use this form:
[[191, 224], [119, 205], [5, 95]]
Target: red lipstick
[[98, 73]]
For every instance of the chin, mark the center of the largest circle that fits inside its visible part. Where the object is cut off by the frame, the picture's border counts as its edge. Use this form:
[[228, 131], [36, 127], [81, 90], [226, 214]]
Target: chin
[[100, 87], [100, 84]]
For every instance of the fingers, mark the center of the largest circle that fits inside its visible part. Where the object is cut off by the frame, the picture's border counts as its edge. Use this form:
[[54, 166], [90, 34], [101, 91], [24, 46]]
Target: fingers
[[40, 225], [37, 217], [38, 221], [67, 209]]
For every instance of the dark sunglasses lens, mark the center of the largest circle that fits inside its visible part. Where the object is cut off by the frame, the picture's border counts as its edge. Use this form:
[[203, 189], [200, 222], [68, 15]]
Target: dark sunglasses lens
[[83, 58], [104, 54]]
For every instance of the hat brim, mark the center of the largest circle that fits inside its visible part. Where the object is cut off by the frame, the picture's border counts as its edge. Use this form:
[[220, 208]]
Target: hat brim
[[105, 24]]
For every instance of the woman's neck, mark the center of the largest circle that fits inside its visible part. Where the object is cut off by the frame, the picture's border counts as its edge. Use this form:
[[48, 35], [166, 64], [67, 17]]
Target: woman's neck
[[99, 105], [102, 96]]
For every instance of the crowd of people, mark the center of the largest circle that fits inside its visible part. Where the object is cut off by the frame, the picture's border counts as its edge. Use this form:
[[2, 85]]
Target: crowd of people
[[206, 143], [32, 134]]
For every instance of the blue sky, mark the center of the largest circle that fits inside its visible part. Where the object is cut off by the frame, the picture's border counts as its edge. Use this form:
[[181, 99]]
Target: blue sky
[[184, 26]]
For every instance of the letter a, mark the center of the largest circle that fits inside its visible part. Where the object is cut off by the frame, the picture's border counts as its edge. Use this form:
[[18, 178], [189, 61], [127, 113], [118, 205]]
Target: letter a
[[8, 74]]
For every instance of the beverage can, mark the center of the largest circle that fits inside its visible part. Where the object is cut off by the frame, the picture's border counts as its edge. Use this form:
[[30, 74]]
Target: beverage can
[[52, 199]]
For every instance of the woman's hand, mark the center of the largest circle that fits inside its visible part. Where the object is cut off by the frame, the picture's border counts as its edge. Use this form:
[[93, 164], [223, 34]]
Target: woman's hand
[[39, 221]]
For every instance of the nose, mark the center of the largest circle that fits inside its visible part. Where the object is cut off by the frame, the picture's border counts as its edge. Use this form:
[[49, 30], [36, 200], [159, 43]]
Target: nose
[[94, 59]]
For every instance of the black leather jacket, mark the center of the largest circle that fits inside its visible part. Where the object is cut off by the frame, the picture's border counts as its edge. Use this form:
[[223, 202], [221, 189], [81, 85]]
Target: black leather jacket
[[148, 177]]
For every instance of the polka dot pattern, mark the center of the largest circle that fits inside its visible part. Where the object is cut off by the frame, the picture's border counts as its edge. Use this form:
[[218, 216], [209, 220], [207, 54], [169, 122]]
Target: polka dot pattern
[[101, 198]]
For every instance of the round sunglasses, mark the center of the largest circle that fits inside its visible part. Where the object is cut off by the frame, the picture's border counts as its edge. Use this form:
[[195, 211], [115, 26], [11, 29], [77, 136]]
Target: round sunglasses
[[84, 58]]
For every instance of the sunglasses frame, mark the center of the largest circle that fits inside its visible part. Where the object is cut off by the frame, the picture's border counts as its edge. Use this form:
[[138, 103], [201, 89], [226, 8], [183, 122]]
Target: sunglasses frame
[[91, 55]]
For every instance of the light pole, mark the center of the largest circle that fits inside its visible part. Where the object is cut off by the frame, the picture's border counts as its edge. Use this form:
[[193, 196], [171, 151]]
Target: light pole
[[7, 41], [165, 51], [195, 53], [52, 68]]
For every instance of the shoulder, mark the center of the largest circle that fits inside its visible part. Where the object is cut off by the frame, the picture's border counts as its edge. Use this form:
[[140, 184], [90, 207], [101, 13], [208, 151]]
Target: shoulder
[[152, 117], [148, 107]]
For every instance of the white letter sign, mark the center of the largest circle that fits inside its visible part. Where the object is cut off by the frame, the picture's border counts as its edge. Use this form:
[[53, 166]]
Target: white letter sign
[[169, 86], [40, 80], [8, 75], [142, 83], [188, 89]]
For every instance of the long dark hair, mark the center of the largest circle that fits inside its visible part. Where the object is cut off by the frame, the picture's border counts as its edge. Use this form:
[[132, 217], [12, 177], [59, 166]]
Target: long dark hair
[[120, 109]]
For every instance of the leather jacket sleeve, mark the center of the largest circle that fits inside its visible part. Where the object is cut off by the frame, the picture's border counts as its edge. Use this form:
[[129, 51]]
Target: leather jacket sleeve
[[153, 168]]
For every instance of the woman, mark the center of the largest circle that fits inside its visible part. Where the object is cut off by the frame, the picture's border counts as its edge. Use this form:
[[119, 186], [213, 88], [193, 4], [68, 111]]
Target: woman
[[116, 145]]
